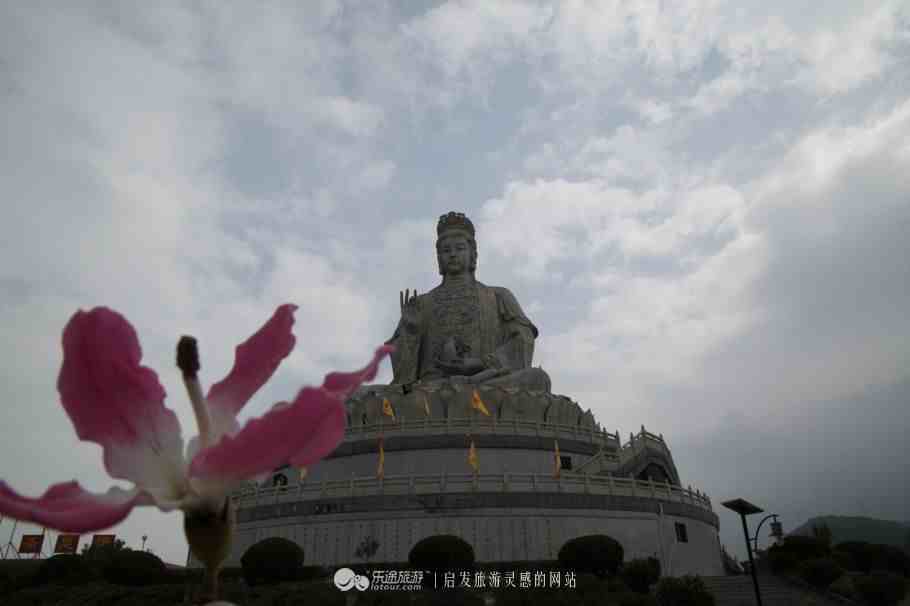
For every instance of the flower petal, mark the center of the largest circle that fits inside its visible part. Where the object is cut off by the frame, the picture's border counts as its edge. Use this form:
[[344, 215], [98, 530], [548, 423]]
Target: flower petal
[[69, 508], [315, 421], [301, 432], [114, 401], [255, 361], [343, 384]]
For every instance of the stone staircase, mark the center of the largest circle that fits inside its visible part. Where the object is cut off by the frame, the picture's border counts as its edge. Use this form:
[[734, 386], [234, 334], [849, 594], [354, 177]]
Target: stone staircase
[[737, 590]]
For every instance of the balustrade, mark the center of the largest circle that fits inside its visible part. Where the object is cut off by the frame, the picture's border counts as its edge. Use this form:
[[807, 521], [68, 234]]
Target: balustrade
[[482, 425], [425, 484]]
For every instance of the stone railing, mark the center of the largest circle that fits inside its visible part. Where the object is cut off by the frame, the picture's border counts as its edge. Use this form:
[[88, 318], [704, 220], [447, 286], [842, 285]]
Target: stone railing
[[642, 440], [600, 460], [434, 484], [483, 425], [635, 445]]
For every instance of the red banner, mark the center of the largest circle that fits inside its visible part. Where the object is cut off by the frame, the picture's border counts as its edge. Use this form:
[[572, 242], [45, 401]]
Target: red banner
[[101, 540], [66, 543], [31, 543]]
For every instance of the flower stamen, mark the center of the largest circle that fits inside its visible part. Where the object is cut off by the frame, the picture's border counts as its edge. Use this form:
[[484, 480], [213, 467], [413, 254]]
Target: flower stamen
[[188, 363]]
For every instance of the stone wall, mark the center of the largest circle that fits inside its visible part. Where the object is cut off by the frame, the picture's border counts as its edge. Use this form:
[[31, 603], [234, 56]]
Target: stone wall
[[496, 534]]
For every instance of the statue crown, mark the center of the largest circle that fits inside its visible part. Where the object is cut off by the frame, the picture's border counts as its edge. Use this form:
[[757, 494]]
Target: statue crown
[[454, 221]]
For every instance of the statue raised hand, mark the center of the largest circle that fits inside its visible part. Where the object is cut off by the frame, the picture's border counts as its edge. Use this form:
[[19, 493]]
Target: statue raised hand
[[410, 310]]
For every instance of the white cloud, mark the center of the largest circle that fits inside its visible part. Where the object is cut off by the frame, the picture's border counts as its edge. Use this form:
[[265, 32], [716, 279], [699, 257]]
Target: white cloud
[[857, 51], [652, 110], [468, 34], [538, 224], [820, 157]]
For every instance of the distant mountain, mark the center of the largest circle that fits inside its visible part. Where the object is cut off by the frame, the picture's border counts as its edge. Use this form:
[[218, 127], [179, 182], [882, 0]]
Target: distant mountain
[[870, 530]]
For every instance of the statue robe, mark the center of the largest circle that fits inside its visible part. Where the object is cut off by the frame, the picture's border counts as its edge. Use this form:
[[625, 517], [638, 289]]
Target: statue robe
[[485, 322]]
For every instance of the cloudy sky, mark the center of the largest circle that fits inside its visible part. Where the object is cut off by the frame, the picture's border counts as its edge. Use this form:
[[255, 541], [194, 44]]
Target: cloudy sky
[[704, 206]]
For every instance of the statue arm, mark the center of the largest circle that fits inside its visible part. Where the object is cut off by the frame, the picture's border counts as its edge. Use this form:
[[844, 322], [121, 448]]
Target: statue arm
[[406, 357], [517, 334]]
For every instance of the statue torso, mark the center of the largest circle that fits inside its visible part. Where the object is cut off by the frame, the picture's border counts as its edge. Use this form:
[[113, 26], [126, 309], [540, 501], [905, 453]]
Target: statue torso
[[464, 312], [467, 319]]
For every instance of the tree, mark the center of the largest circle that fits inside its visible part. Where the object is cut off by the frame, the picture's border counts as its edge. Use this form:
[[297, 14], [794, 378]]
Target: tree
[[102, 557], [823, 533]]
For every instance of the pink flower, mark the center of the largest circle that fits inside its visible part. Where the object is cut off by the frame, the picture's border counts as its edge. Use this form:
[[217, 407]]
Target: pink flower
[[114, 401]]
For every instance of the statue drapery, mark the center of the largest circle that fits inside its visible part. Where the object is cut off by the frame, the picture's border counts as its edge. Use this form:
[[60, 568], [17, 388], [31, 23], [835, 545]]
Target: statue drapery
[[478, 320]]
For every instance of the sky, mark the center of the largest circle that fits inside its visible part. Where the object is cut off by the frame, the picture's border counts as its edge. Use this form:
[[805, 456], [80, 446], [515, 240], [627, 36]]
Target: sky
[[703, 206]]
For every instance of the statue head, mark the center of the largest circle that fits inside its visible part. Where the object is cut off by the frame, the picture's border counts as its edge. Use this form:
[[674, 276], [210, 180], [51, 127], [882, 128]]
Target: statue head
[[456, 248]]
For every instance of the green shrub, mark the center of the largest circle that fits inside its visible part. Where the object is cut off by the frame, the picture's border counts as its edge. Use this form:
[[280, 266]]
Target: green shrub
[[19, 574], [180, 577], [844, 587], [588, 583], [880, 588], [599, 554], [805, 548], [893, 559], [632, 598], [135, 569], [844, 559], [639, 574], [64, 569], [442, 552], [820, 572], [859, 551], [272, 560], [614, 584], [781, 560], [511, 598], [873, 556], [683, 591]]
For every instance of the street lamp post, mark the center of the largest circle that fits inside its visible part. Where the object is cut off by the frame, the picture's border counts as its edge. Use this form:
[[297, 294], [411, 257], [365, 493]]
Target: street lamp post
[[776, 530], [745, 508], [144, 537]]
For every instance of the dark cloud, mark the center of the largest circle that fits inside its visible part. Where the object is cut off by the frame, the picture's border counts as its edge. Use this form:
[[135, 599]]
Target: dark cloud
[[845, 456]]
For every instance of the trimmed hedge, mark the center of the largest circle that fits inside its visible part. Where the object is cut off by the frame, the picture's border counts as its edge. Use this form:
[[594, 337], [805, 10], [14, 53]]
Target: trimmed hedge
[[442, 552], [683, 591], [272, 560], [598, 554]]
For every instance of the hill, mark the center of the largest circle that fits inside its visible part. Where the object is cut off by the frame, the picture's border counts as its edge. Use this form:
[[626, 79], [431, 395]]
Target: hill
[[870, 530]]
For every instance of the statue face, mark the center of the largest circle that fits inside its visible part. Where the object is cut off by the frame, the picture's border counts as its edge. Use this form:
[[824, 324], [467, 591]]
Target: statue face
[[455, 255]]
